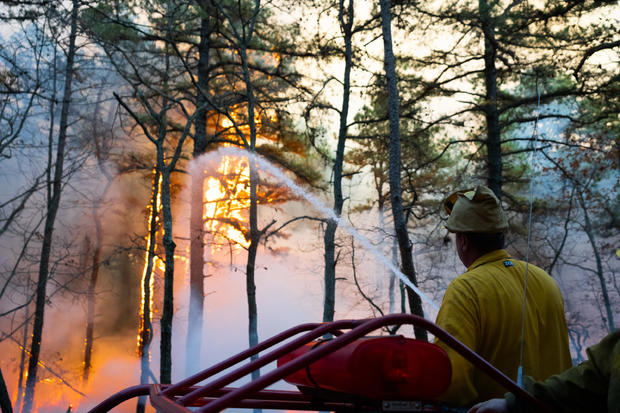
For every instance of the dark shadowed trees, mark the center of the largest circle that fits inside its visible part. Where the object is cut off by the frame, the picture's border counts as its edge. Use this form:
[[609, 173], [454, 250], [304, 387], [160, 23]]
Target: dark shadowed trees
[[54, 191]]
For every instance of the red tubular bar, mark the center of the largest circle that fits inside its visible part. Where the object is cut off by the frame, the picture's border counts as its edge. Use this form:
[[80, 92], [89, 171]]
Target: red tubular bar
[[198, 377], [294, 400], [362, 328], [214, 396], [122, 396], [318, 331], [265, 399]]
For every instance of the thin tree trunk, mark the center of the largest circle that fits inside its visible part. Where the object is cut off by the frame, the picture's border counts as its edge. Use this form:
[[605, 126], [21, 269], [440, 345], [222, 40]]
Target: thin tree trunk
[[243, 38], [251, 263], [196, 266], [52, 210], [329, 273], [599, 266], [22, 362], [393, 277], [96, 254], [494, 145], [90, 297], [196, 269], [92, 284], [382, 271], [165, 344], [400, 225], [89, 330], [330, 232], [168, 307], [255, 234], [558, 253]]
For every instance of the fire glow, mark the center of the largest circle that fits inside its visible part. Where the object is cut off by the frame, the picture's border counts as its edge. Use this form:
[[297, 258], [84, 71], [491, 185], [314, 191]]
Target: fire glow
[[226, 196]]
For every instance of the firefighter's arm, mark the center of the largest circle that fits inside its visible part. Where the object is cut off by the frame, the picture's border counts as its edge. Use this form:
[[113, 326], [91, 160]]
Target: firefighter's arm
[[586, 387], [583, 388]]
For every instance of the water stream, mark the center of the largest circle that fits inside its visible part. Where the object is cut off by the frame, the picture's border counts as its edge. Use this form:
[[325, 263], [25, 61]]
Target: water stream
[[266, 166]]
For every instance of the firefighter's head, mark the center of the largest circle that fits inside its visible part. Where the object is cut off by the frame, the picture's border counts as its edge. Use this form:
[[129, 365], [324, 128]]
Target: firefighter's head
[[477, 218]]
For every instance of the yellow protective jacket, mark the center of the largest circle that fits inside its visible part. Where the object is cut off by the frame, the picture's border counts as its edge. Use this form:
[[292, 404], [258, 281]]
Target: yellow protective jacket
[[483, 309]]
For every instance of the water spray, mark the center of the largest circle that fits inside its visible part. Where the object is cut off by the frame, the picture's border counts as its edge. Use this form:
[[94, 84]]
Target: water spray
[[328, 212]]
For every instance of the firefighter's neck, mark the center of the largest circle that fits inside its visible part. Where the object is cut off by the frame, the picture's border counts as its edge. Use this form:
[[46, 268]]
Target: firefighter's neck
[[468, 252]]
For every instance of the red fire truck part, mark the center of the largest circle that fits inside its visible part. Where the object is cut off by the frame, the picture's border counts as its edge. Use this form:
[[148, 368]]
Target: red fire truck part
[[351, 372]]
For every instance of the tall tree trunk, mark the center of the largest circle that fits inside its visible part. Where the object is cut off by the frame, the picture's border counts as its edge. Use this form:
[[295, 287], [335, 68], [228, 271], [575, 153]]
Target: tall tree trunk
[[86, 267], [251, 263], [599, 265], [329, 274], [255, 234], [400, 224], [90, 319], [22, 362], [494, 145], [196, 270], [165, 344], [96, 253], [196, 266], [50, 219], [92, 284], [145, 334], [168, 307], [393, 277], [100, 154], [243, 39], [329, 302], [560, 248]]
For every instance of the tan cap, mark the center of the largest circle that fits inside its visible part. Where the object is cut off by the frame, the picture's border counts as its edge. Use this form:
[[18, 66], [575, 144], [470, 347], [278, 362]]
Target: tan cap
[[475, 210]]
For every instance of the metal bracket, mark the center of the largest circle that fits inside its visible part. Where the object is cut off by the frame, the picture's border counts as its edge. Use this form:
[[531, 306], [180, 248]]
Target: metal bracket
[[402, 406]]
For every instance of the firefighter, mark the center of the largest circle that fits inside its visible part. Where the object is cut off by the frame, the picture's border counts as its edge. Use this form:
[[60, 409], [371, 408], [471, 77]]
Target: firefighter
[[484, 307], [592, 386]]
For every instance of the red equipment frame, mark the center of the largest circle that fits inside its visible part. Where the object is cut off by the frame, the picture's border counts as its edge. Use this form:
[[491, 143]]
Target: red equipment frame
[[214, 395]]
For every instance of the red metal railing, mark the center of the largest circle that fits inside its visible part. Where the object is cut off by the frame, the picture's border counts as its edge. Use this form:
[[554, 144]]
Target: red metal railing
[[215, 396]]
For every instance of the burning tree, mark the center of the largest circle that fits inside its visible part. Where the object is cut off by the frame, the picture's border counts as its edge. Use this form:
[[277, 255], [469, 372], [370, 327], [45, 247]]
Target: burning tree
[[243, 70], [244, 113]]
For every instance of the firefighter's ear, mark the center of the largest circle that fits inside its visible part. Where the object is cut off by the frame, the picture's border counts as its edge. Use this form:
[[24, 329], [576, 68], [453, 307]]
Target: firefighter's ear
[[462, 243]]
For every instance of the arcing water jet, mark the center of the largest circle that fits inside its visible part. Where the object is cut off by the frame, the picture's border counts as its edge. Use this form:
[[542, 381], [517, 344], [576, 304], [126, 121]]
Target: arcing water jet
[[266, 166]]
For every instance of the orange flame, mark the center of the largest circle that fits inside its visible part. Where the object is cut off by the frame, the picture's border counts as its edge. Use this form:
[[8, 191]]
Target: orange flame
[[226, 198], [227, 191]]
